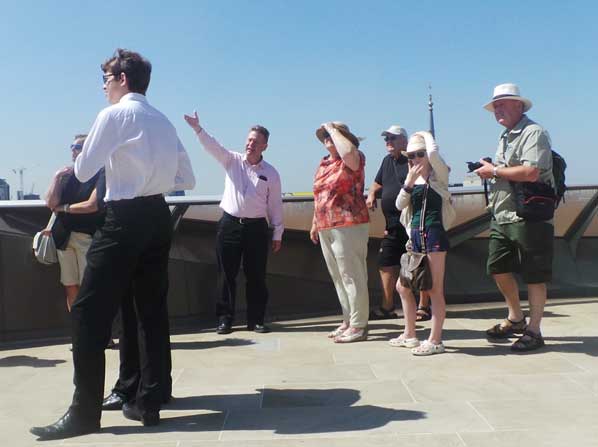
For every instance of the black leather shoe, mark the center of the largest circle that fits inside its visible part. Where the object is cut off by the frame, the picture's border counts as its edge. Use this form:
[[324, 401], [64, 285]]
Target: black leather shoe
[[224, 328], [259, 328], [66, 427], [148, 418], [113, 402]]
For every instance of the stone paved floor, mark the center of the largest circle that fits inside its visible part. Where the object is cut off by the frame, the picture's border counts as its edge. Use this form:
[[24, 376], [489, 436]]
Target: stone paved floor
[[294, 387]]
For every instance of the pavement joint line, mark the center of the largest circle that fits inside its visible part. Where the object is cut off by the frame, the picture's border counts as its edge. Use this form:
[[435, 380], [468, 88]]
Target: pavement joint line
[[561, 355], [461, 439], [226, 414], [408, 390], [481, 416], [178, 376]]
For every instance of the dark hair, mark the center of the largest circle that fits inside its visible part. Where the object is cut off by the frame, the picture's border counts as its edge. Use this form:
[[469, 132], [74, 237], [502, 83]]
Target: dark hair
[[137, 68], [80, 137], [261, 130]]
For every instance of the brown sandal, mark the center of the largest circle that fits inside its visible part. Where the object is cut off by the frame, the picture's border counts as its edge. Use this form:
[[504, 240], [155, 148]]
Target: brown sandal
[[507, 328], [423, 313], [529, 341]]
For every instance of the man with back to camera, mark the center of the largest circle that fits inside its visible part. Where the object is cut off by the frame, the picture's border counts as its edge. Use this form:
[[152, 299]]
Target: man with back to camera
[[516, 244], [144, 159], [389, 181], [252, 198]]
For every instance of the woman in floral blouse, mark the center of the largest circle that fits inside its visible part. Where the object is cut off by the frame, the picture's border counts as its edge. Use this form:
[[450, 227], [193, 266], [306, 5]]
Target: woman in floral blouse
[[341, 225]]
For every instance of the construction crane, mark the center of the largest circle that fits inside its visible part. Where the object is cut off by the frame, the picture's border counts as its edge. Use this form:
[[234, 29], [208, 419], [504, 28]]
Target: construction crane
[[21, 190]]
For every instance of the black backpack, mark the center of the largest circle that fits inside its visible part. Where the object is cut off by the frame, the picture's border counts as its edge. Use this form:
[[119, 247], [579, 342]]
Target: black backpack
[[559, 165]]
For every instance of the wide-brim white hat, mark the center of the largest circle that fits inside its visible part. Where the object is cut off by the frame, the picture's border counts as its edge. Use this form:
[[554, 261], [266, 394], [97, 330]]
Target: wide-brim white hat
[[416, 143], [508, 91]]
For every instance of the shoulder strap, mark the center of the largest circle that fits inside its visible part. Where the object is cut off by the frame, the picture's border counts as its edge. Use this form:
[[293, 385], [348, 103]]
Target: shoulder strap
[[422, 217]]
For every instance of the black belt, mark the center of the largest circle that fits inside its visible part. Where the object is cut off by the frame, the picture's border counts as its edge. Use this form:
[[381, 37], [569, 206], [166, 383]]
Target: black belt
[[243, 220], [135, 200]]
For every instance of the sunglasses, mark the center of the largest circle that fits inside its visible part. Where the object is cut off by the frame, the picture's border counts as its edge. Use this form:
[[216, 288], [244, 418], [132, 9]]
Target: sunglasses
[[325, 135], [420, 154], [76, 147], [388, 139], [106, 77]]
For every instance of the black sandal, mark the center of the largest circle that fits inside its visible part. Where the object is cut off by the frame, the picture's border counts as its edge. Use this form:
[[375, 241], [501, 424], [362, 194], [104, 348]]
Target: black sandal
[[529, 341], [380, 313], [507, 328], [423, 313]]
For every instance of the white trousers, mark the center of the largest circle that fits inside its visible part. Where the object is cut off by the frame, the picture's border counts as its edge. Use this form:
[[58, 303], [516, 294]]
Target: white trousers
[[345, 252]]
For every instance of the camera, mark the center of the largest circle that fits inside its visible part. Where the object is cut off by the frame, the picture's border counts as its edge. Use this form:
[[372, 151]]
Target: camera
[[473, 165]]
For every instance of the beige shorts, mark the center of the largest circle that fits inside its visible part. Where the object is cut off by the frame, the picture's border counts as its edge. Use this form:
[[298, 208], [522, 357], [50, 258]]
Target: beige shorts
[[72, 259]]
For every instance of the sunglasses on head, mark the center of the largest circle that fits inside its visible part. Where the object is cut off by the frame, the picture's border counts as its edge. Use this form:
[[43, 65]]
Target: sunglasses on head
[[389, 138], [76, 147], [412, 155]]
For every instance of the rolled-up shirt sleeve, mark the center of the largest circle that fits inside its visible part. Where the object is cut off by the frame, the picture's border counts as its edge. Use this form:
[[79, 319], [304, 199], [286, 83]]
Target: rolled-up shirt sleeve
[[275, 214], [184, 179], [102, 141]]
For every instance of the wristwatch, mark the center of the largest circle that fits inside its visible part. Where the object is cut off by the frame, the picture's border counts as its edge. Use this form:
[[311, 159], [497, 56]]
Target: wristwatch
[[494, 172]]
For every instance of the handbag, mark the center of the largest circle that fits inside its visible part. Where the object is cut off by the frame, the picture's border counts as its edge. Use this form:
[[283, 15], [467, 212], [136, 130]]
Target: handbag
[[44, 248], [415, 271]]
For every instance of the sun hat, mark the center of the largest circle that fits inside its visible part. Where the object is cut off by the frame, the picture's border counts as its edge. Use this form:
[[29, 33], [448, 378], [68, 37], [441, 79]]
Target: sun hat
[[416, 143], [394, 130], [508, 91], [343, 129]]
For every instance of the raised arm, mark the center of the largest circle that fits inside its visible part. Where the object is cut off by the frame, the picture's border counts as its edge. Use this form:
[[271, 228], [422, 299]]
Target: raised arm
[[346, 150], [215, 149], [438, 165]]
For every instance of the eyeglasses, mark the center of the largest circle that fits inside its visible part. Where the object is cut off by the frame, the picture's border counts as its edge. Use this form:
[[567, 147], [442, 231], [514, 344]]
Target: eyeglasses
[[388, 139], [106, 77], [76, 147], [420, 154]]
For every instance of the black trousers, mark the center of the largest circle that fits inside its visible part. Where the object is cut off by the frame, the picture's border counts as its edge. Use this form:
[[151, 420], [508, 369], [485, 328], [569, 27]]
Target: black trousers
[[243, 240], [130, 250], [129, 375]]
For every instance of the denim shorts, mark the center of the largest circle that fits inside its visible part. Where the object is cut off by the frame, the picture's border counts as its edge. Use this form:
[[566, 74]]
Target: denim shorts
[[436, 239]]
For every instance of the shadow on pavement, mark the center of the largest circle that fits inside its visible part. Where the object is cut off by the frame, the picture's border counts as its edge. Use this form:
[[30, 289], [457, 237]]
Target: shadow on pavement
[[284, 411], [26, 360]]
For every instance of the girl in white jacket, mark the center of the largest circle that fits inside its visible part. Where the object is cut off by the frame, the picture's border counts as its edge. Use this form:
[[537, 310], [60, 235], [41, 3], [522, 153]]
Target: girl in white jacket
[[426, 167]]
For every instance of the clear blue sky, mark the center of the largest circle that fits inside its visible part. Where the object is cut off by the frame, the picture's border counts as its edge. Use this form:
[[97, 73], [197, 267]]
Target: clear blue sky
[[291, 65]]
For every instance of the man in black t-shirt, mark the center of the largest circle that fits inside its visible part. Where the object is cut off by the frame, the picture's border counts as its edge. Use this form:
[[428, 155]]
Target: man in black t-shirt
[[77, 208], [388, 183]]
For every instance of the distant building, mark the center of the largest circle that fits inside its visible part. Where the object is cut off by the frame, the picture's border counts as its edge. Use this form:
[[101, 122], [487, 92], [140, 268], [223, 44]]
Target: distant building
[[31, 197], [472, 180], [4, 190]]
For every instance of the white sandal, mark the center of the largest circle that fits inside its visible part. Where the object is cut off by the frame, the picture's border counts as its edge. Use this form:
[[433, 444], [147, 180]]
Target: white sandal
[[428, 348], [338, 331], [350, 336], [402, 342]]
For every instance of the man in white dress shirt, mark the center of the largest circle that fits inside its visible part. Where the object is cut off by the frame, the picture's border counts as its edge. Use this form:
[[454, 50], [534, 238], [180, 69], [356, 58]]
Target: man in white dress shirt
[[252, 198], [144, 159]]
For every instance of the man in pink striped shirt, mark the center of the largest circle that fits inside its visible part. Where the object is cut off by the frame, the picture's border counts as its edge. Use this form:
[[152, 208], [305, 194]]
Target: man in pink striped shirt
[[251, 200]]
